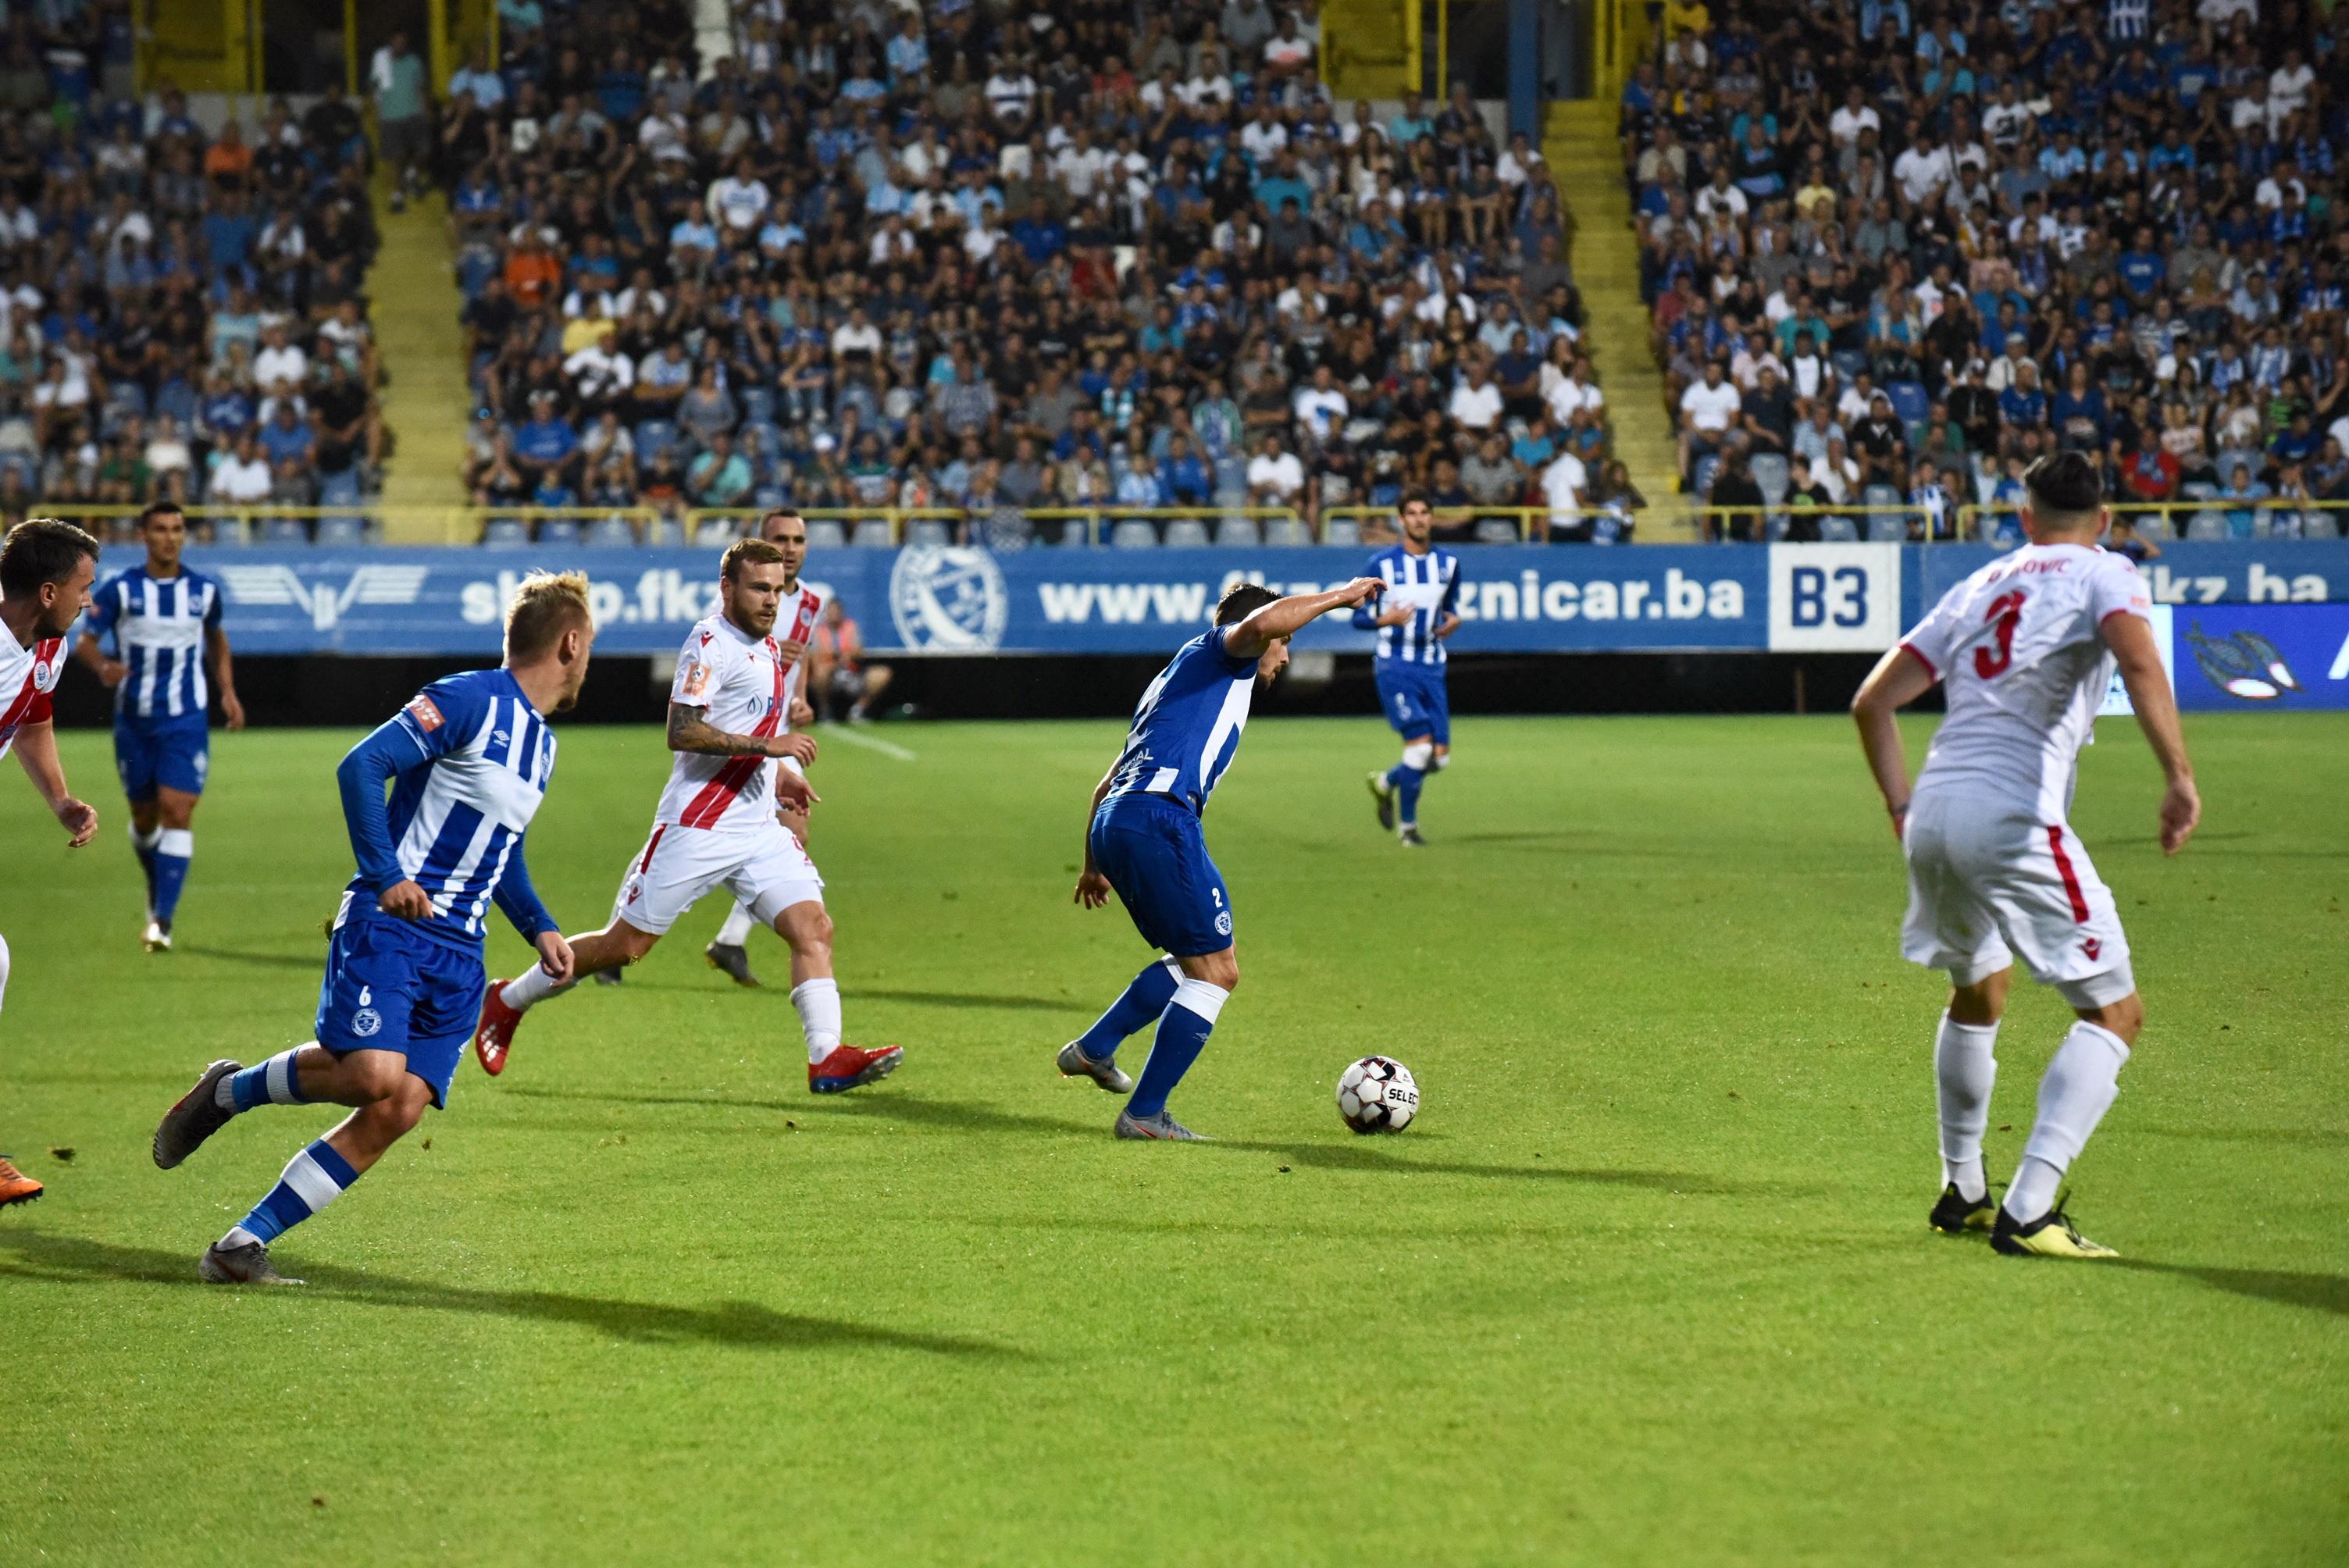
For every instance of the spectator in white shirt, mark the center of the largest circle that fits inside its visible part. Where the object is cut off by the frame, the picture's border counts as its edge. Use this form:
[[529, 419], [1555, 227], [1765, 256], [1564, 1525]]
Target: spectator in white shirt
[[1564, 483], [1476, 401], [1321, 407], [1924, 169], [1275, 477], [279, 360], [1707, 411]]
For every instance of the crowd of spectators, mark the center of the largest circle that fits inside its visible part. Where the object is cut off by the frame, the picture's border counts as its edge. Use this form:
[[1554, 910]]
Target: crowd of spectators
[[182, 309], [1896, 251], [994, 259]]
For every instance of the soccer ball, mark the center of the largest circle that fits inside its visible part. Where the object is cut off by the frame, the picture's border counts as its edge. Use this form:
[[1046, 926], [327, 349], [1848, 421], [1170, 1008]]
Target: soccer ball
[[1378, 1094]]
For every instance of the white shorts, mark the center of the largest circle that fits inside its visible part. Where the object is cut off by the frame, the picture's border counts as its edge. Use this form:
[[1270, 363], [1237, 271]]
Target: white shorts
[[766, 868], [1988, 883]]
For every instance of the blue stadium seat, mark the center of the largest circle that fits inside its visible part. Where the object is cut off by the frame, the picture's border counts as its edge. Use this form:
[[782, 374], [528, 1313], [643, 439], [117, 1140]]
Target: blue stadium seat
[[872, 533], [761, 439], [1497, 531], [2319, 525], [285, 530], [717, 533], [342, 530], [2207, 524], [664, 531], [1186, 534], [1342, 531], [825, 533], [1836, 529], [1910, 401], [339, 489], [1286, 532], [758, 404], [504, 533], [654, 436], [1887, 528], [1238, 532], [609, 534], [929, 530], [1771, 472], [558, 530], [1132, 533]]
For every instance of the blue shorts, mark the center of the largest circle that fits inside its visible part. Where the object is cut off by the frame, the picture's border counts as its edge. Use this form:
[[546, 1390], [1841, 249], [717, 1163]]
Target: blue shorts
[[390, 988], [172, 756], [1154, 854], [1414, 699]]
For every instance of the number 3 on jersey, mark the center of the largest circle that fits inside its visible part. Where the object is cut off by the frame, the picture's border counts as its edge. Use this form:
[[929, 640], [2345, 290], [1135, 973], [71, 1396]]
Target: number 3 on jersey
[[2006, 611]]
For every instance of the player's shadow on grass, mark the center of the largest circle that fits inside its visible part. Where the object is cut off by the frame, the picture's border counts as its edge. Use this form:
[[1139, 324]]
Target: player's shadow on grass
[[2321, 1292], [971, 999], [259, 960], [66, 1260], [890, 1105], [1355, 1155]]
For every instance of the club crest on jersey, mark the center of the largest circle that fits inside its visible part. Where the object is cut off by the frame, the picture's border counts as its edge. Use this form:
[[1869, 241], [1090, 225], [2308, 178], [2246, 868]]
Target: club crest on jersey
[[427, 714], [697, 677]]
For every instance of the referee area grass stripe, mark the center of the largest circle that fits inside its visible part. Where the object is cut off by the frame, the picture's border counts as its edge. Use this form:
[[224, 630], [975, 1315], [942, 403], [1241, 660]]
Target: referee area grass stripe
[[888, 748]]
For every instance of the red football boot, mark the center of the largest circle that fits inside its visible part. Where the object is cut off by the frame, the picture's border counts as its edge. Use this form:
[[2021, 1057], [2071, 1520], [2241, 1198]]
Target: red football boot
[[494, 1035], [849, 1066], [15, 1187]]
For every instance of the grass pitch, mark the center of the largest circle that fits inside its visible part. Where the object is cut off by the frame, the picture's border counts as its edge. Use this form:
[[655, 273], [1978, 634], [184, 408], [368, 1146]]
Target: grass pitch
[[1648, 1281]]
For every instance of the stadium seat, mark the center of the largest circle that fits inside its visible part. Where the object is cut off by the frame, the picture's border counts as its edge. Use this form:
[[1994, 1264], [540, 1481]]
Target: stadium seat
[[654, 436], [2199, 490], [1701, 473], [1770, 471], [664, 531], [758, 404], [1887, 528], [761, 441], [1132, 533], [932, 532], [1186, 534], [1836, 529], [285, 530], [1286, 532], [1496, 530], [717, 533], [504, 533], [2209, 523], [1909, 402], [1238, 533], [872, 533], [1342, 531], [342, 530], [228, 533], [2319, 525], [339, 489], [609, 534], [558, 530], [825, 533]]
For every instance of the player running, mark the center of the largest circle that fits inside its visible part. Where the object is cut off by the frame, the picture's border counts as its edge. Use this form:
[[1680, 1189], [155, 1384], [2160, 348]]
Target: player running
[[469, 761], [165, 620], [1416, 617], [45, 570], [1144, 842], [2025, 648], [717, 824]]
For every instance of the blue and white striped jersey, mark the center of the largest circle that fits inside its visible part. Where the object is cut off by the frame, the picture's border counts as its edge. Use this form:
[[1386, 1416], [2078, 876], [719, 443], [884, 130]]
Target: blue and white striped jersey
[[1188, 726], [470, 760], [1430, 584], [158, 625]]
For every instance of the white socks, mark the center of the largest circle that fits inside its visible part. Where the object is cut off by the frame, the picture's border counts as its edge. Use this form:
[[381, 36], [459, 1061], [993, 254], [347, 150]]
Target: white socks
[[819, 1005], [533, 986], [2081, 1084], [1965, 1070], [738, 927]]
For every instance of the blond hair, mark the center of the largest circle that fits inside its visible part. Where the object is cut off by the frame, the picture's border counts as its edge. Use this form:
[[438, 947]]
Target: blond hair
[[747, 552], [546, 605]]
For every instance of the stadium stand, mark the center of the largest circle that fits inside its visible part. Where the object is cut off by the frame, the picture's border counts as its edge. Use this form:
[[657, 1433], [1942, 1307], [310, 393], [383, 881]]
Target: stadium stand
[[1900, 250], [183, 313], [1003, 265]]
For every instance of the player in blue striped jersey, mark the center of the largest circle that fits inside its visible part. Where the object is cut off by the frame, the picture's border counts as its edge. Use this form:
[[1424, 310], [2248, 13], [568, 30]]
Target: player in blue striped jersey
[[1418, 612], [468, 762], [1144, 841], [165, 622]]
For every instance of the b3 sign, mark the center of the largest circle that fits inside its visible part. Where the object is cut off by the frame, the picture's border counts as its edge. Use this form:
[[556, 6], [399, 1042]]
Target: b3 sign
[[1833, 598]]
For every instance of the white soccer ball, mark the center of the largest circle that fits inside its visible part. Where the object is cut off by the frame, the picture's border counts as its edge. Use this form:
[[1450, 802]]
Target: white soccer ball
[[1378, 1094]]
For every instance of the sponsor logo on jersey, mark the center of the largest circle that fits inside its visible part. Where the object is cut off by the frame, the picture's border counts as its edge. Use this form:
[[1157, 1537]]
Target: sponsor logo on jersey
[[427, 714], [696, 676], [950, 600]]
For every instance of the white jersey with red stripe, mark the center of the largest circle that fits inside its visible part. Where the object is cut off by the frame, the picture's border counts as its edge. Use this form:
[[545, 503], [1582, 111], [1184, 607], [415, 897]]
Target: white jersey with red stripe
[[742, 682], [27, 677], [2019, 648]]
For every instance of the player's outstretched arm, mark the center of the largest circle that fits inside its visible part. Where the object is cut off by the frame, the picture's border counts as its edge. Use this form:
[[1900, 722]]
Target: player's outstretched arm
[[690, 729], [1900, 678], [91, 653], [1286, 617], [2131, 641], [36, 751], [520, 904]]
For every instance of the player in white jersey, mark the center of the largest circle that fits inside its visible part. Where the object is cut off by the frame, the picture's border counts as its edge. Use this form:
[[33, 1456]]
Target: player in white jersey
[[2026, 649], [717, 823], [45, 570]]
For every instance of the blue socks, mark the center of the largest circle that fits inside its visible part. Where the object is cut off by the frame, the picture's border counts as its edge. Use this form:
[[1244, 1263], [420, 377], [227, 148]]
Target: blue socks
[[143, 846], [173, 851], [272, 1082], [1407, 781], [1132, 1013], [314, 1178], [1183, 1034]]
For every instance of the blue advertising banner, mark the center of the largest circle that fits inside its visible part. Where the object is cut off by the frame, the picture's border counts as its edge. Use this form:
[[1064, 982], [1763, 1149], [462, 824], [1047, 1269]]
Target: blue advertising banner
[[2275, 657], [945, 600], [966, 600]]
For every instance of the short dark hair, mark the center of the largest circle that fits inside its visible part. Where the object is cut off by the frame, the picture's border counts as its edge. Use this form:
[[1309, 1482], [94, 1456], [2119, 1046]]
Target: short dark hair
[[1242, 600], [2065, 484], [1409, 498], [773, 512], [40, 550], [161, 507]]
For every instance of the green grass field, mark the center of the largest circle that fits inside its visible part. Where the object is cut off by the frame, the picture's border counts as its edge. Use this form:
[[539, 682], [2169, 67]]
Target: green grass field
[[1649, 1280]]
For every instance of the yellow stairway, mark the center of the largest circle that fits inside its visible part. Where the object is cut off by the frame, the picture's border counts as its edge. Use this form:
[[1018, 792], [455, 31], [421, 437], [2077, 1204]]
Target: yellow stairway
[[414, 297], [1584, 156]]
